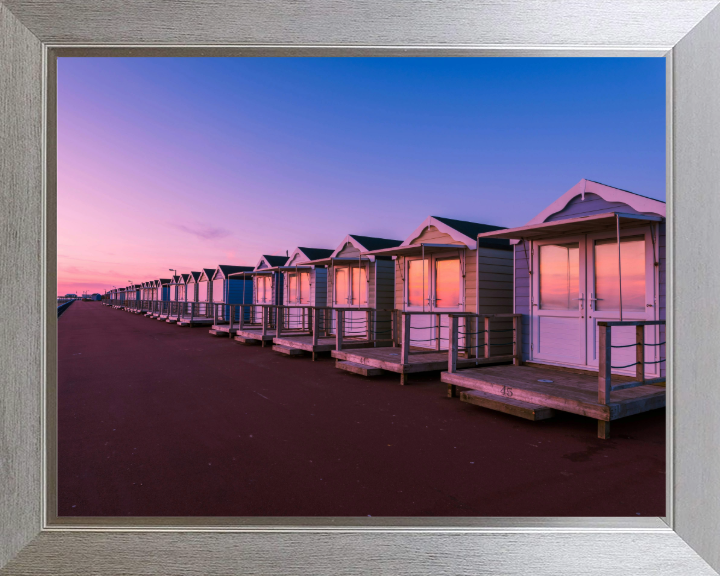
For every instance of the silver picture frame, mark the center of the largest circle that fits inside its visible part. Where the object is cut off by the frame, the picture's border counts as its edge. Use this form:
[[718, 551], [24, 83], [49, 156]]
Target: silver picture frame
[[33, 540]]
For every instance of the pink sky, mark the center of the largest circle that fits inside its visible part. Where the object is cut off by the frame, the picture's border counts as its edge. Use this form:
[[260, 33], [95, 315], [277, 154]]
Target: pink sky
[[187, 163]]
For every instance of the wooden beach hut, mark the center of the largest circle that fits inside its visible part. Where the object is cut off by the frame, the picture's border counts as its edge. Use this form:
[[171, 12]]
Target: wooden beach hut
[[589, 284], [304, 288], [228, 290], [440, 269], [152, 297], [162, 291], [177, 309], [198, 304], [267, 291], [361, 297], [169, 298]]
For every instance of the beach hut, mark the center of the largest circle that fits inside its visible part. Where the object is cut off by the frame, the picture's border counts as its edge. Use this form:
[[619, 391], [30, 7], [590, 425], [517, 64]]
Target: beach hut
[[120, 299], [198, 299], [304, 289], [177, 307], [168, 293], [267, 291], [440, 269], [360, 295], [589, 285], [162, 292], [228, 289]]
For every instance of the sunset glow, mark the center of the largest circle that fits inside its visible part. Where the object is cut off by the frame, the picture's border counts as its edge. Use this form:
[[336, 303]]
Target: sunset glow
[[187, 163]]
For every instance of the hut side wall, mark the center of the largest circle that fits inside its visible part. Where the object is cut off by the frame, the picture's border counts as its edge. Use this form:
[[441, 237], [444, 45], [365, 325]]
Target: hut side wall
[[522, 293], [384, 293], [318, 290], [239, 291]]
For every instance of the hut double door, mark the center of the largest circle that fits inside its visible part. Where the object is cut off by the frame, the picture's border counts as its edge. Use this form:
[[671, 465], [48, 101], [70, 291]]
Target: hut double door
[[298, 289], [435, 288], [263, 295], [351, 289], [575, 285]]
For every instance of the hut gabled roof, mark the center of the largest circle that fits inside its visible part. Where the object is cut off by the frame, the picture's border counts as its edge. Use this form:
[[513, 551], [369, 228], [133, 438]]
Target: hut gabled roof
[[270, 261], [194, 277], [223, 271], [206, 274]]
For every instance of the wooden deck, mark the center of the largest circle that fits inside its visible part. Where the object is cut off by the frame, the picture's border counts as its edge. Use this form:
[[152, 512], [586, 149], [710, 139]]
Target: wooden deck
[[222, 330], [324, 344], [388, 358], [195, 321], [557, 389], [255, 333]]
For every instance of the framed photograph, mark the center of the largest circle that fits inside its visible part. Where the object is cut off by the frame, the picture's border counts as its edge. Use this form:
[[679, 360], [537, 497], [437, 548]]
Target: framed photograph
[[619, 283]]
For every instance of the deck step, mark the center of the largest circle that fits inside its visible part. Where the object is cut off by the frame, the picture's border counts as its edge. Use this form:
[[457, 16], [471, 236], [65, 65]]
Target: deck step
[[215, 332], [287, 350], [245, 340], [356, 368], [507, 405]]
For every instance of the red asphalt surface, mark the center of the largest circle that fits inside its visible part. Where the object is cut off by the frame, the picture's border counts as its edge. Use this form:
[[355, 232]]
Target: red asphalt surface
[[158, 420]]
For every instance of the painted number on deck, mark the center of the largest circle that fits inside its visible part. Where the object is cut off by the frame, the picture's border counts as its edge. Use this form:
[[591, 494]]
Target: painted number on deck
[[506, 391]]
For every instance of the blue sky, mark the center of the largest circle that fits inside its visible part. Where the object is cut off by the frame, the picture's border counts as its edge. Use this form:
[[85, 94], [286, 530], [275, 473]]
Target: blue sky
[[231, 158]]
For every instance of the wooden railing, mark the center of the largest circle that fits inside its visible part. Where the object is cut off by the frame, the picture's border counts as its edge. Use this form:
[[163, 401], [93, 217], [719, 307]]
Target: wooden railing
[[472, 347], [605, 386], [380, 330]]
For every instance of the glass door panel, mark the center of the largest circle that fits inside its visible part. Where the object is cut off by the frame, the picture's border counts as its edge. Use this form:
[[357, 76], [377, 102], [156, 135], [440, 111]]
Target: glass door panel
[[558, 307], [638, 297]]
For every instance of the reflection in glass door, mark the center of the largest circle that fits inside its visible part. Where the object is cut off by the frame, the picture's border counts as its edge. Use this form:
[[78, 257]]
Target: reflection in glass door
[[559, 306], [433, 285], [636, 276]]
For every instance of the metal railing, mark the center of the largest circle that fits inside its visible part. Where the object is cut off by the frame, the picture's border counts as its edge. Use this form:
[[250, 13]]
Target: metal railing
[[480, 332], [605, 347]]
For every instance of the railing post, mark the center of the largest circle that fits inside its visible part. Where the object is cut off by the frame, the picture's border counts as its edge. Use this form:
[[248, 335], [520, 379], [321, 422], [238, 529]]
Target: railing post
[[279, 321], [192, 312], [405, 348], [264, 313], [453, 347], [640, 353], [315, 326], [487, 337], [215, 313], [604, 374], [517, 341], [340, 329], [453, 333], [437, 333]]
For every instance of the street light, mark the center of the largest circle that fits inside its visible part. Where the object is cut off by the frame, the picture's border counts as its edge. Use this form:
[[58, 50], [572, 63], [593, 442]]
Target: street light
[[172, 270]]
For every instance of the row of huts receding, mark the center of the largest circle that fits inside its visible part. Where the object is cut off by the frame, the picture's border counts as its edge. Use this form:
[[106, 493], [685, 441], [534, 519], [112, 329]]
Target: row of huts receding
[[468, 298]]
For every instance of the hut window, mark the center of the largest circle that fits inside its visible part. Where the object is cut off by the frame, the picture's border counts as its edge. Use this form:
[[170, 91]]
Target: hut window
[[559, 276], [447, 283], [632, 264], [299, 293], [417, 281], [202, 292], [304, 296], [359, 286], [342, 296], [218, 292], [263, 289]]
